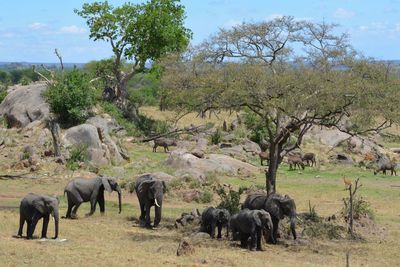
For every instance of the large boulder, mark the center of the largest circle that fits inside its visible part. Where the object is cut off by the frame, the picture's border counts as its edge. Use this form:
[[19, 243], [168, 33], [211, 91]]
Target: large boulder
[[187, 164], [107, 123], [24, 105], [101, 147]]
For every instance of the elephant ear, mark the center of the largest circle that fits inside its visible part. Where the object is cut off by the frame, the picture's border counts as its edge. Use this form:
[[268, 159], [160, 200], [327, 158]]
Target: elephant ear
[[41, 205], [106, 184], [145, 185], [274, 208], [257, 215]]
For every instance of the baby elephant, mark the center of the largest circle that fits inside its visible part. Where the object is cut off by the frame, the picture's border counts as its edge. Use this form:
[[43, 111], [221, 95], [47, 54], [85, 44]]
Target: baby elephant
[[164, 142], [386, 167], [212, 218], [34, 207], [83, 190], [251, 223]]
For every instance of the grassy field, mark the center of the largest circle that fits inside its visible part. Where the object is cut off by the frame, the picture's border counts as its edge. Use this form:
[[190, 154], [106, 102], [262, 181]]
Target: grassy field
[[117, 240]]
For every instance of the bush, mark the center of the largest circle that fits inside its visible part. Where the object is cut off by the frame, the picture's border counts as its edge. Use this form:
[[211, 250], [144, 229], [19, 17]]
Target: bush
[[206, 197], [78, 154], [71, 97], [216, 137], [230, 200], [361, 208], [117, 114], [3, 92], [322, 229]]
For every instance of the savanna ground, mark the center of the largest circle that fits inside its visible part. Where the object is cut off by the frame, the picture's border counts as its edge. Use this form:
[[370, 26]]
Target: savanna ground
[[116, 239]]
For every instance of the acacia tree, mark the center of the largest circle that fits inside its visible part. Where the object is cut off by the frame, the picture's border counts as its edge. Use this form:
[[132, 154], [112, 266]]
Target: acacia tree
[[254, 67], [137, 33]]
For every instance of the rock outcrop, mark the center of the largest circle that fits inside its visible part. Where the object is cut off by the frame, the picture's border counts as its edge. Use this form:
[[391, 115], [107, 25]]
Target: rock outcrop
[[24, 105]]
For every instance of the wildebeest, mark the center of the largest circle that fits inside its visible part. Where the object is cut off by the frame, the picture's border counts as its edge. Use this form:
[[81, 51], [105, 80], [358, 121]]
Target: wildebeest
[[309, 157], [295, 161], [164, 142], [385, 167]]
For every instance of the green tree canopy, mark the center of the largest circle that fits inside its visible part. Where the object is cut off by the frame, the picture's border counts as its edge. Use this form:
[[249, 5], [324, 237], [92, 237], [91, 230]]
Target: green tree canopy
[[137, 33], [291, 75]]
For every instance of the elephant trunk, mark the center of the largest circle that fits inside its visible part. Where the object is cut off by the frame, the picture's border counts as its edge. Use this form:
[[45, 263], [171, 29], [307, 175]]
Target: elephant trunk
[[56, 220], [118, 189], [293, 226], [158, 206]]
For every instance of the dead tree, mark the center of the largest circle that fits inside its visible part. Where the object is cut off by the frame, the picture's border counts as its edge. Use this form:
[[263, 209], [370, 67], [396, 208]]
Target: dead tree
[[352, 193], [54, 128]]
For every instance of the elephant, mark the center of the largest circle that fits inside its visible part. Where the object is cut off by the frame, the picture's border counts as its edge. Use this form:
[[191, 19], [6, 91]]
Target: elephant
[[150, 192], [212, 218], [278, 207], [83, 190], [251, 223], [34, 207]]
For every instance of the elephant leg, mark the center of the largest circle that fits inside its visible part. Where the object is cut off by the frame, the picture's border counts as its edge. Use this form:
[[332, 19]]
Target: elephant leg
[[28, 227], [157, 217], [101, 202], [243, 240], [142, 213], [45, 225], [93, 203], [259, 237], [69, 209], [219, 231], [148, 223], [227, 231], [75, 210], [35, 220], [253, 236], [212, 233], [21, 225], [275, 224]]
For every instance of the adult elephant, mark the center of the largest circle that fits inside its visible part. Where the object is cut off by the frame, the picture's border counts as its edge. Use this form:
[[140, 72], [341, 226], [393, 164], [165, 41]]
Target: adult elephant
[[33, 207], [278, 207], [212, 218], [83, 190], [251, 223], [150, 192]]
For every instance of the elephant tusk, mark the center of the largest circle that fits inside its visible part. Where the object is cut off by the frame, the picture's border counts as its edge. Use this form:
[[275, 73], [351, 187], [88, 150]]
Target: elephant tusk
[[155, 200]]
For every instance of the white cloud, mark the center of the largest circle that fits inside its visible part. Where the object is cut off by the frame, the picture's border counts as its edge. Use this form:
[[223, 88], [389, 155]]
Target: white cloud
[[37, 26], [72, 29], [342, 13], [274, 16]]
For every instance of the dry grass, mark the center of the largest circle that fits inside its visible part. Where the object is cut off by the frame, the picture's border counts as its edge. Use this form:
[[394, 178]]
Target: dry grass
[[117, 240]]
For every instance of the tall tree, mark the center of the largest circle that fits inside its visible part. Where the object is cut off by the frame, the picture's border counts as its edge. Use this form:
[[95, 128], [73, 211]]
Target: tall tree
[[291, 75], [137, 33]]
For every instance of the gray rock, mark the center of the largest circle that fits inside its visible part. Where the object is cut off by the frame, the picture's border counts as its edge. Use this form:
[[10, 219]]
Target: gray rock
[[250, 146], [24, 105], [341, 158], [85, 134], [107, 123], [162, 176]]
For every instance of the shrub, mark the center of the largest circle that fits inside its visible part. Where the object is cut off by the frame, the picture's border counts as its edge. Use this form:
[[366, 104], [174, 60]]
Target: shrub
[[216, 137], [230, 200], [361, 208], [71, 97], [78, 154], [117, 114], [206, 197], [323, 229], [3, 92]]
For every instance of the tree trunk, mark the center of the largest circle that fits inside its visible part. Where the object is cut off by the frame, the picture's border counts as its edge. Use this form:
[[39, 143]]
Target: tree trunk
[[272, 169], [55, 133]]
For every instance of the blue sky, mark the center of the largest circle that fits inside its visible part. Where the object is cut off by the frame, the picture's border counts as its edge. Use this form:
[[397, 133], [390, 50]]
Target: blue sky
[[30, 30]]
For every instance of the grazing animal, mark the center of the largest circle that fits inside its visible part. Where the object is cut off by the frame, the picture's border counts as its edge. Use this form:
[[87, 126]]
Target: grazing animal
[[277, 206], [309, 157], [150, 192], [251, 223], [83, 190], [212, 218], [385, 167], [263, 156], [164, 142], [33, 207], [295, 161]]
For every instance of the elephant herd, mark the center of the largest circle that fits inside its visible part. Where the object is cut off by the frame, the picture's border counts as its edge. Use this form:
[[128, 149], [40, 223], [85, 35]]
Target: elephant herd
[[260, 214], [34, 207]]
